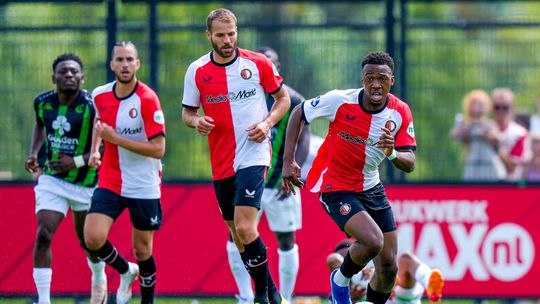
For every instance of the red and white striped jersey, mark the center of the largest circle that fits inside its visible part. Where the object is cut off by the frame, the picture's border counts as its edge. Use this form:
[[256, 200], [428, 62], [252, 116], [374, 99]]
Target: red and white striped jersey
[[514, 143], [233, 94], [137, 117], [349, 158]]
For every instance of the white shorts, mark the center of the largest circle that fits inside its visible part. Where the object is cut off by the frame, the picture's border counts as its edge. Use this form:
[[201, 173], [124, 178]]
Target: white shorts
[[58, 195], [408, 296], [282, 215]]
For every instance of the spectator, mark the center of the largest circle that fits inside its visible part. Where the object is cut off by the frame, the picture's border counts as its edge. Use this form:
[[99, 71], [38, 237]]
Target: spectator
[[532, 173], [513, 145], [480, 136], [534, 125]]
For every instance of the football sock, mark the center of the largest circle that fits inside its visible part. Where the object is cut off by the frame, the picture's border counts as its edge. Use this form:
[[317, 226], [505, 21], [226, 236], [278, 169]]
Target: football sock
[[349, 267], [239, 271], [255, 260], [108, 254], [42, 279], [340, 279], [98, 271], [147, 274], [422, 274], [376, 297], [289, 262]]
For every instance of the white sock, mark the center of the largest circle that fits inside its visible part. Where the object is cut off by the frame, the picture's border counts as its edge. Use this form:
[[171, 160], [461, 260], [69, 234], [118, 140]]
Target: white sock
[[241, 276], [289, 261], [422, 274], [42, 279], [98, 271], [340, 279]]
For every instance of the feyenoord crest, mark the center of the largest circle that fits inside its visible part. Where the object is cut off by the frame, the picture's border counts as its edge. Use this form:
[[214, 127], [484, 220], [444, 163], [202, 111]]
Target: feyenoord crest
[[345, 209], [133, 113], [246, 74], [390, 125]]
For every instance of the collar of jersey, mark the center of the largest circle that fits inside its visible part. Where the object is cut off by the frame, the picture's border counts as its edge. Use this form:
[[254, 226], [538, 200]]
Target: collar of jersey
[[128, 96], [224, 64]]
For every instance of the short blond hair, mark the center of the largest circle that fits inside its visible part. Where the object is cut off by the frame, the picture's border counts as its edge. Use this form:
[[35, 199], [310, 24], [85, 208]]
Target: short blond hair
[[478, 95], [220, 14]]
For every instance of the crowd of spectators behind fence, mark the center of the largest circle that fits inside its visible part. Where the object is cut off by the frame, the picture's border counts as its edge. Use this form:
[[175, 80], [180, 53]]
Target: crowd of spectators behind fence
[[501, 143]]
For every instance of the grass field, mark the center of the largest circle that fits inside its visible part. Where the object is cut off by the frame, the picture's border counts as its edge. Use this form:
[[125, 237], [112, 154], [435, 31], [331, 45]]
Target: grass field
[[170, 300]]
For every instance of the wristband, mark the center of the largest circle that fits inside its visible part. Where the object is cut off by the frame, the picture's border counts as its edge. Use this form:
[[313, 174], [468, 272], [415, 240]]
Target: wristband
[[79, 161], [393, 155]]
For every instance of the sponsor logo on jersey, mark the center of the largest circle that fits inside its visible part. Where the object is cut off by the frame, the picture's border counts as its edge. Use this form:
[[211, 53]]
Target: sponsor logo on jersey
[[159, 117], [128, 131], [356, 140], [246, 74], [207, 79], [61, 124], [275, 70], [344, 209], [410, 129], [133, 113], [62, 143], [235, 96], [216, 99], [315, 101], [390, 125]]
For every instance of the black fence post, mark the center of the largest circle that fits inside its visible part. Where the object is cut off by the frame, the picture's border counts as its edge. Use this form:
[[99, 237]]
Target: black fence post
[[391, 49], [154, 46], [112, 21]]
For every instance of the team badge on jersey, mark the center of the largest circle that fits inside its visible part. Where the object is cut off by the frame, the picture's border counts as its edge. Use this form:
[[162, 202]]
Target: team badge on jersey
[[159, 117], [410, 129], [246, 74], [133, 113], [345, 209], [390, 125]]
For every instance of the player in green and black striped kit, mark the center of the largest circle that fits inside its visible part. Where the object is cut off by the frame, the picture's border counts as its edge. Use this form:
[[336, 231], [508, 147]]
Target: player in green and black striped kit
[[283, 211], [64, 120]]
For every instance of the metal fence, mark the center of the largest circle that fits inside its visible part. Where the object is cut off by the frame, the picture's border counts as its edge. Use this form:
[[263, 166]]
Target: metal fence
[[443, 50]]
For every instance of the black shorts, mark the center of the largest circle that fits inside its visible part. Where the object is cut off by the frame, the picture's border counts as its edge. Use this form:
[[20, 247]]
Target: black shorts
[[342, 205], [145, 214], [245, 188]]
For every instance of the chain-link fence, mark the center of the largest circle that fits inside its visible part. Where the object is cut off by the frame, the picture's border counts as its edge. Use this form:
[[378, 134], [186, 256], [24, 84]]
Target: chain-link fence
[[443, 50]]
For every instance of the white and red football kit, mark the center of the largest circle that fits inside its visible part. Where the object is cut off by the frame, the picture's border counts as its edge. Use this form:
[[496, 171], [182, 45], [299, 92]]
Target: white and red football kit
[[233, 94], [349, 159], [514, 143], [137, 117]]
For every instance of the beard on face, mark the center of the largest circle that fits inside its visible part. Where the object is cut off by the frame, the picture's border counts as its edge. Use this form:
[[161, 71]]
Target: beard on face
[[222, 53], [119, 79]]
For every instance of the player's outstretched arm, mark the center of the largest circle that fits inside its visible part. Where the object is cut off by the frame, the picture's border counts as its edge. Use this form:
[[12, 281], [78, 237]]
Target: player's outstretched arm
[[291, 170]]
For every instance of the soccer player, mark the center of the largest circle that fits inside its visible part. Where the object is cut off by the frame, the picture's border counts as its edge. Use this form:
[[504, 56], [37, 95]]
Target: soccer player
[[367, 125], [63, 126], [132, 126], [230, 83], [413, 278], [283, 210]]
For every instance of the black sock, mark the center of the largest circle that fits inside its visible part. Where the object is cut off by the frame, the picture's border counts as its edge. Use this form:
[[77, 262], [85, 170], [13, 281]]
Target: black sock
[[108, 254], [273, 294], [256, 262], [349, 268], [147, 274], [376, 297]]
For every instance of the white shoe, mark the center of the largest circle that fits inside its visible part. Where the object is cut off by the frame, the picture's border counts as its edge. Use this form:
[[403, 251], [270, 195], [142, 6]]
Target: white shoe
[[99, 292], [126, 280]]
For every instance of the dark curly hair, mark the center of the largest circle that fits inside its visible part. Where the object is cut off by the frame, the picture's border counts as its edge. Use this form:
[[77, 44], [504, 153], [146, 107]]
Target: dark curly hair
[[380, 58], [64, 57]]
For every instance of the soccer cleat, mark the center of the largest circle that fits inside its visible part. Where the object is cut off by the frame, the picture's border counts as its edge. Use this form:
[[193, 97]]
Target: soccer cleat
[[261, 300], [276, 298], [126, 280], [435, 286], [340, 295], [99, 293]]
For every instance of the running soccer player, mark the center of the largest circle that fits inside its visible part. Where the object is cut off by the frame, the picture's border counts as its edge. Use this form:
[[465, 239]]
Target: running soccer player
[[132, 126], [63, 131], [367, 125], [230, 83], [283, 210]]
